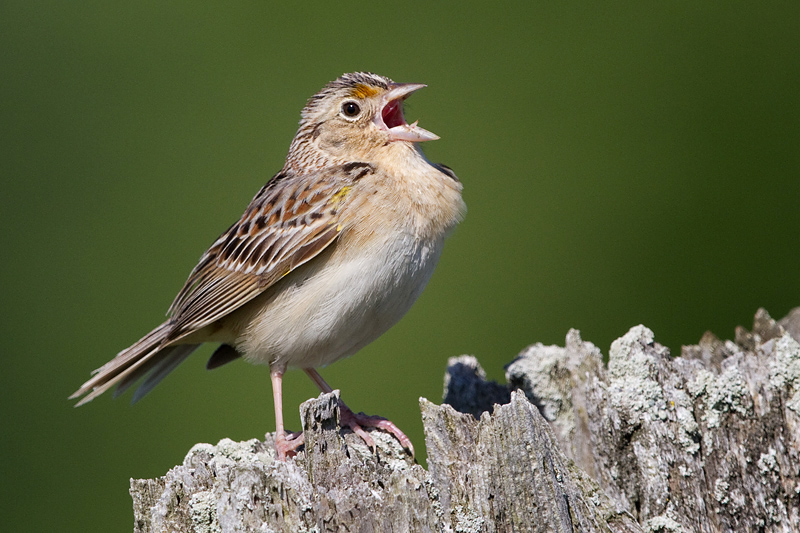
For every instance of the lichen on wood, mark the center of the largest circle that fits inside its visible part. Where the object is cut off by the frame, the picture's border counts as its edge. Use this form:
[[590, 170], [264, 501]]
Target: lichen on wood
[[706, 441]]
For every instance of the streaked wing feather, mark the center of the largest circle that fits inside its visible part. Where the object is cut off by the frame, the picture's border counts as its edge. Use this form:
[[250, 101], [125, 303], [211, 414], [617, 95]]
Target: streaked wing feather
[[289, 222]]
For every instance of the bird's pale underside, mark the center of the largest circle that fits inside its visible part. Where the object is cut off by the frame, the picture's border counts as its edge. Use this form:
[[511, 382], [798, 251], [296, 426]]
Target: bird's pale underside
[[330, 253]]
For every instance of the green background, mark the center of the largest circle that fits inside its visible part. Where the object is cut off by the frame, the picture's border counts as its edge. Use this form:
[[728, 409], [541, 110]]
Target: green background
[[623, 163]]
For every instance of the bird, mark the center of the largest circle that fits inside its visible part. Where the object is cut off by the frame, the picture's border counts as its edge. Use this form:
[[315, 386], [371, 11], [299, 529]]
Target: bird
[[330, 253]]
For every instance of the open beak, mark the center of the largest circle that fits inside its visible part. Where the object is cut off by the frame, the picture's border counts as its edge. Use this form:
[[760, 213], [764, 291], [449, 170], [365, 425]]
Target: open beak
[[390, 117]]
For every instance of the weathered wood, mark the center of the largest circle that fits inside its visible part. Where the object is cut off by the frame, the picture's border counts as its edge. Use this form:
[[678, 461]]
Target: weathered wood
[[505, 472], [337, 484], [502, 473], [708, 441]]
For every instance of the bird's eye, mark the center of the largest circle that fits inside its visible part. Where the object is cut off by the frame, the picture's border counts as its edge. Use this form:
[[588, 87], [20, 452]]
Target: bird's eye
[[350, 109]]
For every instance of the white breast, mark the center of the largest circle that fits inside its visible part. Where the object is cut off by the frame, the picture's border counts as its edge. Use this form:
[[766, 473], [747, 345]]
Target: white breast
[[338, 303]]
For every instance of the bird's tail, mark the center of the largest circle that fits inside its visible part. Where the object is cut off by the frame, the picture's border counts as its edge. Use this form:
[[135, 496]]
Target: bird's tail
[[149, 356]]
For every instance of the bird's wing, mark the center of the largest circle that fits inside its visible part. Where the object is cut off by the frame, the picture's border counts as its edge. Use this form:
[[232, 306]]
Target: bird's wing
[[289, 222]]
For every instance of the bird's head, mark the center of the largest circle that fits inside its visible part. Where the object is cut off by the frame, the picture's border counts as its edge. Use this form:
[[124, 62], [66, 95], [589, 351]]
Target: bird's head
[[357, 115]]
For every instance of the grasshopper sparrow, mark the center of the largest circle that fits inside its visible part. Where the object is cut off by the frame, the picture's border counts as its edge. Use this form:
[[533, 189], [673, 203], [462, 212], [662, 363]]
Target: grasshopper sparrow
[[330, 253]]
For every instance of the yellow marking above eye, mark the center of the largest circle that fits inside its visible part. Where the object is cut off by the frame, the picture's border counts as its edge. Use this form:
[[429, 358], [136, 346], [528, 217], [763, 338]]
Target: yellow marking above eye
[[364, 91]]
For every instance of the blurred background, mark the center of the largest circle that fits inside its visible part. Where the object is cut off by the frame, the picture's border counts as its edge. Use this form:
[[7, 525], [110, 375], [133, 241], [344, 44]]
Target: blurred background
[[625, 164]]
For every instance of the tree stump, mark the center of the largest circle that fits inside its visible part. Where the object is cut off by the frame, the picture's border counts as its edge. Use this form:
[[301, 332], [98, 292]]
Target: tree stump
[[707, 441]]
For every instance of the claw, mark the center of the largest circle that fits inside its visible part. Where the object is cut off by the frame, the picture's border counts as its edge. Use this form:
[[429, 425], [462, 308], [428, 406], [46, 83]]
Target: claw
[[357, 422], [286, 444]]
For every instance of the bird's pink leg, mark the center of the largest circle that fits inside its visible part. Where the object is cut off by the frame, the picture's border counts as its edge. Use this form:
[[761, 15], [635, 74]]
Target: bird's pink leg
[[283, 445], [356, 422]]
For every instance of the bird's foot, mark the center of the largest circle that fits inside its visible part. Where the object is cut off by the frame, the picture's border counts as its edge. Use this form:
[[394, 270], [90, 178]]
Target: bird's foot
[[357, 423], [286, 444]]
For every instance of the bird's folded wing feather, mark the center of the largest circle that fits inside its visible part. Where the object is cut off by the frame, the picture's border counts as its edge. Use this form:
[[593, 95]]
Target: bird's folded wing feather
[[290, 221]]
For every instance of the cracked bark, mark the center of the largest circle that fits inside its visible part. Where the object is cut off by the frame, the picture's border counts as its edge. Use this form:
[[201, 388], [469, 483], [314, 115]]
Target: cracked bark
[[706, 441]]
